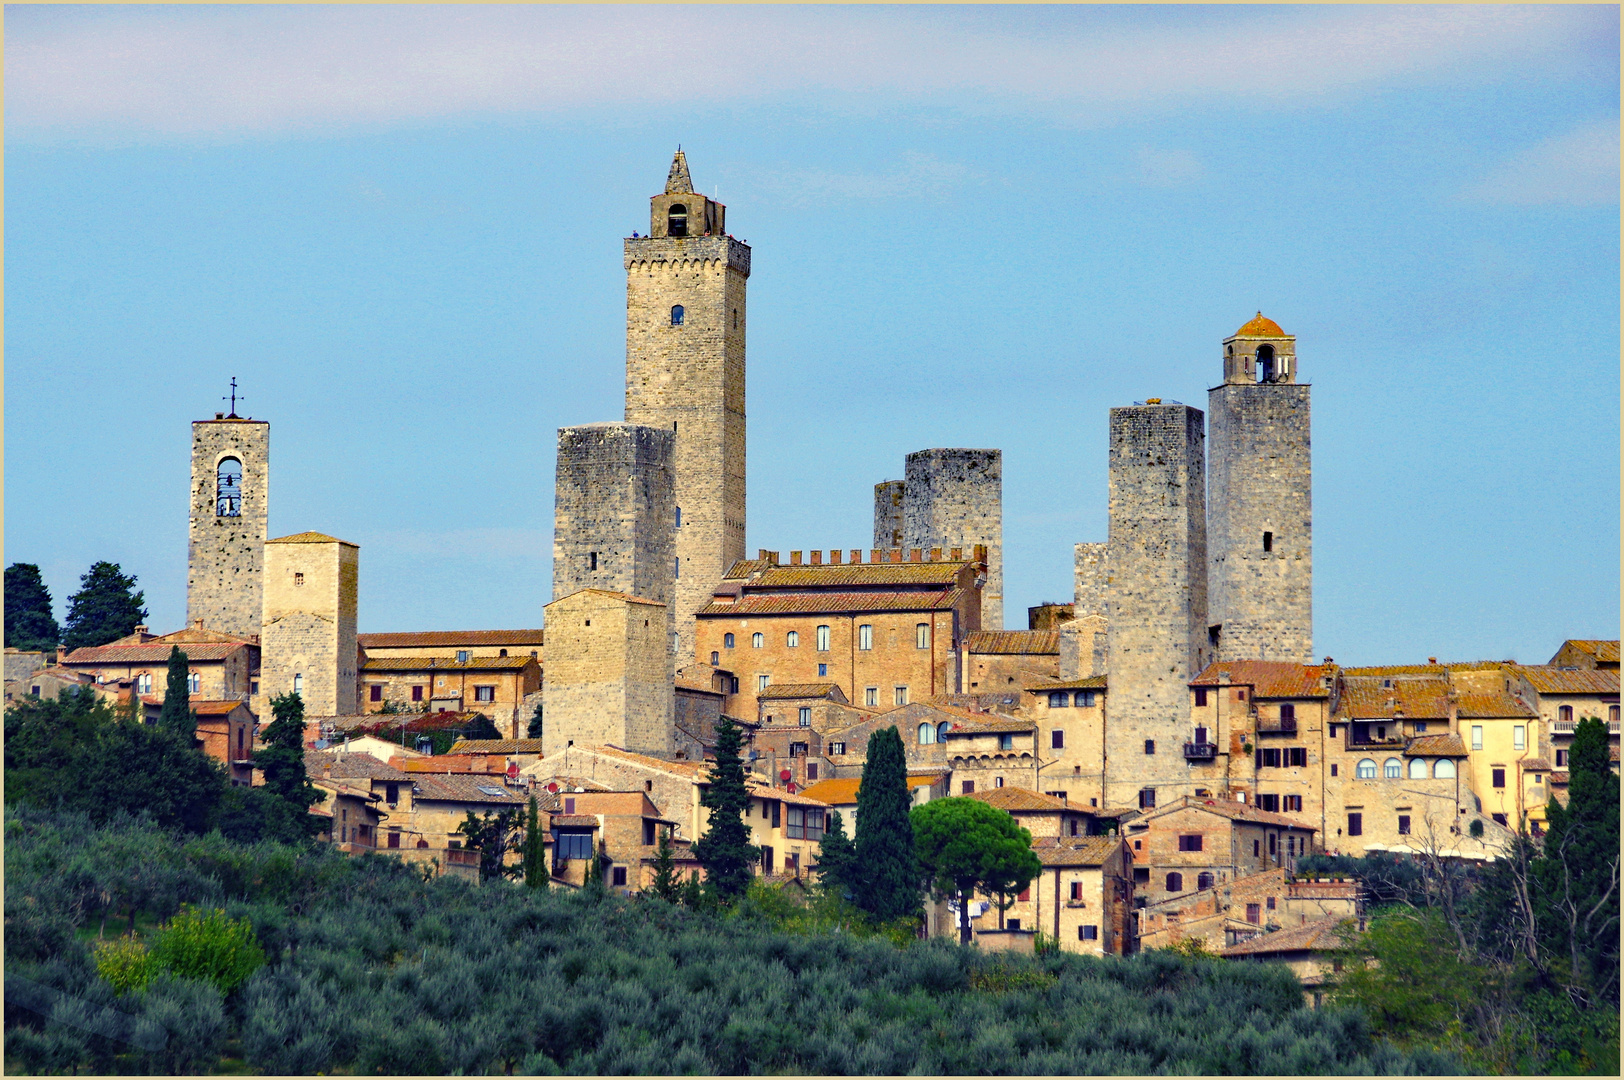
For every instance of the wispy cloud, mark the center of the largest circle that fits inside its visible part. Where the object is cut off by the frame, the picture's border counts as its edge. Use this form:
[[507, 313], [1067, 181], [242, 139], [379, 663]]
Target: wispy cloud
[[1169, 168], [163, 72], [1579, 168]]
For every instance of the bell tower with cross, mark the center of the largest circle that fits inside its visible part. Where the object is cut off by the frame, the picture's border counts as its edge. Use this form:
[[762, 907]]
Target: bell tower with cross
[[228, 507]]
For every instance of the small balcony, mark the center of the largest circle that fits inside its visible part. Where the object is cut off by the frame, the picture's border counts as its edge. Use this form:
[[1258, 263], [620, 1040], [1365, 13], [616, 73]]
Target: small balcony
[[1281, 726], [1568, 727], [1200, 751]]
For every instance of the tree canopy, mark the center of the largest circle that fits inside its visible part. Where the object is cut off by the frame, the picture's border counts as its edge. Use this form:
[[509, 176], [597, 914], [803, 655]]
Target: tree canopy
[[885, 878], [835, 858], [725, 850], [107, 607], [30, 625], [965, 845], [177, 714]]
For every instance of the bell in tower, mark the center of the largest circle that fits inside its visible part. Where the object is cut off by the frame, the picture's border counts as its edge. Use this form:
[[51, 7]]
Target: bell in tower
[[1261, 353], [680, 211]]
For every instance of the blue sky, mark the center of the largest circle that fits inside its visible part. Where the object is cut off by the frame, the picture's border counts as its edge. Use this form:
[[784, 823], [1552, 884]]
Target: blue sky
[[399, 228]]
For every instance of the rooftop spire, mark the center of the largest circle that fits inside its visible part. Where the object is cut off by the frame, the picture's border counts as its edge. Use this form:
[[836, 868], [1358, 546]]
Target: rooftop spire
[[677, 181]]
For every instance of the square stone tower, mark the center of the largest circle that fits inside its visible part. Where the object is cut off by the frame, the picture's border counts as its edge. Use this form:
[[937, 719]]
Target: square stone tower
[[307, 640], [888, 496], [614, 523], [953, 498], [1260, 501], [1156, 595], [231, 469], [608, 674], [685, 323]]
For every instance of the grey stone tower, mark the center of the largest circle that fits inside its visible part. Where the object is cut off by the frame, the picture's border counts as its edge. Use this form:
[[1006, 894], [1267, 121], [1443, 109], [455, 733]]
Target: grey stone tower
[[225, 550], [953, 498], [614, 512], [685, 324], [888, 514], [1260, 501], [1156, 595]]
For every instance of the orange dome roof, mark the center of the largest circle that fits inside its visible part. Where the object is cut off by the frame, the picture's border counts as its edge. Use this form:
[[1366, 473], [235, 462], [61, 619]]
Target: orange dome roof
[[1261, 327]]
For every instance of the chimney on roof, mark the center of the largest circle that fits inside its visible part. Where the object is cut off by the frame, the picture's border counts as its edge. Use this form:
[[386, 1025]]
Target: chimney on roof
[[816, 557], [795, 558], [834, 556], [139, 630]]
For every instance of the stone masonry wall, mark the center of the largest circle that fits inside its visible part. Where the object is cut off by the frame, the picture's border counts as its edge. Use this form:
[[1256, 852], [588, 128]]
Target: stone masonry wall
[[954, 498], [224, 555], [608, 674], [1157, 596], [1261, 481], [614, 512], [888, 527], [309, 624], [1090, 577], [689, 379]]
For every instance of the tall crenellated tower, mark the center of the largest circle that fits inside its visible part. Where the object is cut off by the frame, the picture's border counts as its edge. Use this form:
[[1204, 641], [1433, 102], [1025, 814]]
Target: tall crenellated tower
[[231, 460], [1260, 501], [685, 325]]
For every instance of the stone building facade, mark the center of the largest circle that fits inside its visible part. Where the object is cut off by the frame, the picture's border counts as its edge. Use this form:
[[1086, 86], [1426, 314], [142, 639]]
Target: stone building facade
[[230, 497], [615, 512], [608, 674], [685, 367], [307, 638], [954, 498], [1157, 593], [888, 525], [1089, 579], [1260, 501]]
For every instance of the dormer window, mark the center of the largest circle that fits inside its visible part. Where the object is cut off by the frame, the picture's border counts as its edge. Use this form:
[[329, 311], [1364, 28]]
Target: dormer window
[[676, 314], [676, 220]]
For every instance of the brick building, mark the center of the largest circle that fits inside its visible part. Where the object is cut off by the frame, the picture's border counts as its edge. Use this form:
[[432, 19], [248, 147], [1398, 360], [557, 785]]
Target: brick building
[[1001, 660], [219, 666]]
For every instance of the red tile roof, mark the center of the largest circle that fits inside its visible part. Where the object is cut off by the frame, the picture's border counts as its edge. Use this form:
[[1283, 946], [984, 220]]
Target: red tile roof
[[1020, 800], [1268, 678], [800, 690], [1235, 811], [1092, 682], [1365, 698], [443, 788], [1321, 935], [1435, 746], [439, 663], [1075, 850], [1013, 642], [1554, 680], [496, 746], [848, 575], [311, 538], [216, 708], [429, 639], [150, 654], [813, 603], [1605, 652]]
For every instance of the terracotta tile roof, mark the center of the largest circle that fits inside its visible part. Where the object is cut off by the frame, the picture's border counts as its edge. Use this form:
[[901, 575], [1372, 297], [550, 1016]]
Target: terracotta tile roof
[[843, 791], [799, 690], [149, 654], [340, 766], [1258, 326], [1075, 850], [1475, 703], [848, 575], [1020, 800], [1013, 642], [1536, 764], [1560, 779], [430, 639], [451, 763], [204, 636], [1234, 811], [765, 791], [1321, 935], [496, 746], [743, 568], [311, 538], [815, 603], [698, 683], [681, 768], [1365, 698], [444, 788], [1449, 745], [216, 708], [989, 724], [1269, 678], [1605, 652], [1555, 680], [440, 663], [1426, 669], [1092, 682], [567, 785]]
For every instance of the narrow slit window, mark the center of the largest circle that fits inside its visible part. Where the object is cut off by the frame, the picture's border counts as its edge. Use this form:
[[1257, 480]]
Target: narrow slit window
[[1268, 541]]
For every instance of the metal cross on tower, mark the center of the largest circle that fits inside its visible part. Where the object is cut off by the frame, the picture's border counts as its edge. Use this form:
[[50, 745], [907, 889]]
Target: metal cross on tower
[[233, 399]]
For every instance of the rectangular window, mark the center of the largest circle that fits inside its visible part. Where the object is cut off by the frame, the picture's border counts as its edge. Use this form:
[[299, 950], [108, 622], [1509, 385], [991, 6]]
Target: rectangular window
[[391, 793], [1477, 736], [1254, 913], [1270, 903], [902, 695], [1257, 849], [1085, 699], [1404, 824], [618, 875], [298, 578], [1014, 924], [1273, 846], [922, 636], [1564, 713], [375, 693], [795, 827], [1268, 541], [1150, 746], [1077, 891], [1006, 742], [1499, 777], [649, 839], [1147, 798], [1333, 770], [1297, 756], [1268, 759], [1271, 803], [1356, 824], [761, 683], [484, 693], [462, 656], [1561, 759], [823, 670], [1420, 726], [811, 771], [822, 640], [569, 806], [1190, 842], [394, 839], [804, 715], [1292, 802], [865, 637], [871, 696], [572, 845], [1058, 699], [967, 788], [837, 749], [1088, 933], [1518, 734], [1057, 739], [417, 693], [1200, 697]]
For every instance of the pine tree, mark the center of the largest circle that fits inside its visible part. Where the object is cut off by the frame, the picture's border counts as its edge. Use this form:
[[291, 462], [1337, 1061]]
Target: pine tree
[[665, 884], [725, 850], [107, 607], [177, 714], [29, 622], [835, 858], [886, 880]]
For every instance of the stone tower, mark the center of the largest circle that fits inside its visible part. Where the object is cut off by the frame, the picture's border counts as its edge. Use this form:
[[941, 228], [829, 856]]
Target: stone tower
[[231, 469], [953, 498], [614, 511], [888, 514], [307, 641], [608, 674], [1156, 595], [1260, 501], [685, 323]]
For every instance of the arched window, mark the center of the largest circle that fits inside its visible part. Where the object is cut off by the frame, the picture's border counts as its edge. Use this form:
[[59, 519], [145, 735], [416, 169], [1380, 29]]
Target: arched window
[[727, 641], [927, 734], [1265, 363], [1392, 768], [676, 314], [1057, 699], [1203, 880], [1418, 768], [228, 488], [1175, 882], [1443, 769], [676, 220], [716, 659], [792, 640], [298, 685], [922, 635], [941, 731], [757, 640], [823, 639], [1366, 769]]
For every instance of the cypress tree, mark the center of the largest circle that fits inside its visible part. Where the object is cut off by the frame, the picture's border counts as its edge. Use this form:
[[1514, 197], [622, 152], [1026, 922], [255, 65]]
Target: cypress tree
[[665, 884], [535, 865], [835, 856], [283, 765], [725, 850], [29, 623], [107, 607], [177, 714], [886, 880], [533, 729]]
